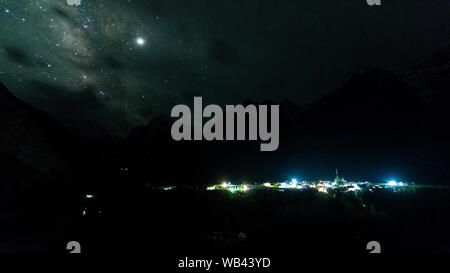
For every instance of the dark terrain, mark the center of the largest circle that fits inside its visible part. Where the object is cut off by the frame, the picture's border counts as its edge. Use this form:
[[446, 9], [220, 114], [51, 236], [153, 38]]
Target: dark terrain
[[378, 123], [412, 220]]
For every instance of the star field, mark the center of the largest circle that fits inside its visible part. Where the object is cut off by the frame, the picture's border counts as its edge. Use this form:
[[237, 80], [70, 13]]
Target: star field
[[119, 63]]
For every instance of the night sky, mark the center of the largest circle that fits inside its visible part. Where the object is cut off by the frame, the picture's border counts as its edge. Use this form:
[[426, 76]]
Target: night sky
[[118, 63]]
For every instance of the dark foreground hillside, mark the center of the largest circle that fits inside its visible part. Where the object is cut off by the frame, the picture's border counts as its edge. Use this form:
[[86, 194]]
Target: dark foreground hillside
[[411, 220]]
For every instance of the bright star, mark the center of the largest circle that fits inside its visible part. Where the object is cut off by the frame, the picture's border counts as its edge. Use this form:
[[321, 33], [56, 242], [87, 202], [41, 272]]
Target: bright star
[[140, 41]]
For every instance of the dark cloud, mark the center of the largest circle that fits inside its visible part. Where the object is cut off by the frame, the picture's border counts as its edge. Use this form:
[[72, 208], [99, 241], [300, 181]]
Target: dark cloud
[[18, 56], [222, 51], [112, 63], [64, 15]]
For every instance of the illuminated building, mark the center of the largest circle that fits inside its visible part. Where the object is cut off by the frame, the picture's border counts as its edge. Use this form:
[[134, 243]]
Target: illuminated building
[[340, 181]]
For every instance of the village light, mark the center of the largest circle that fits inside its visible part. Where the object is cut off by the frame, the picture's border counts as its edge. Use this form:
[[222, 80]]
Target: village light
[[392, 183], [355, 187]]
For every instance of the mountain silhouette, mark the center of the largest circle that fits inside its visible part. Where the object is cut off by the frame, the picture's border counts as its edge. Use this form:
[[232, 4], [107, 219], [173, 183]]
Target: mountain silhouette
[[38, 156], [378, 124]]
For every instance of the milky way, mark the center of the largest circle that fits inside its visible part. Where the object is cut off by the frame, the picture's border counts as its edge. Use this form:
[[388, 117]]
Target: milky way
[[119, 63]]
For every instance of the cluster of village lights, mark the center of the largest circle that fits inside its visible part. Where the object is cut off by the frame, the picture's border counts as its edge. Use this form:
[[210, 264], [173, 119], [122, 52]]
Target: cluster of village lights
[[321, 186]]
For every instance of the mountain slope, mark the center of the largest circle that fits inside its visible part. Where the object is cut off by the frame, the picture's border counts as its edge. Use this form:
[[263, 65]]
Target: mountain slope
[[372, 127], [37, 154]]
